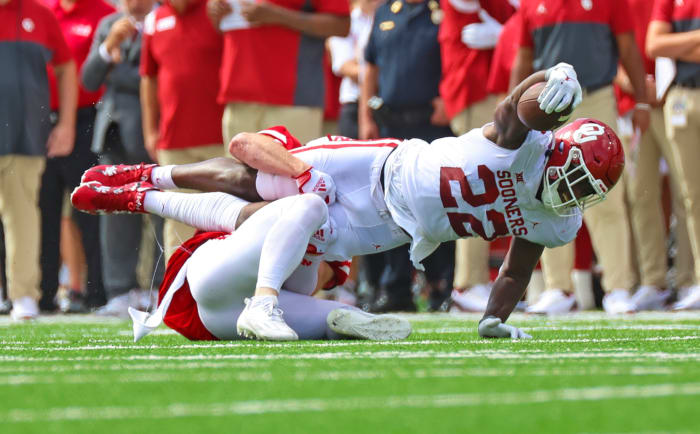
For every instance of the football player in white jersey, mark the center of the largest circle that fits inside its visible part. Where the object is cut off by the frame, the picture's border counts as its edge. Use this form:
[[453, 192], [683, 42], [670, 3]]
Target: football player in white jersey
[[499, 180]]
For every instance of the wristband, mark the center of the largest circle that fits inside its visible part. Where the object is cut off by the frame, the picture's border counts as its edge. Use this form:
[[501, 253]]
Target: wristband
[[642, 106]]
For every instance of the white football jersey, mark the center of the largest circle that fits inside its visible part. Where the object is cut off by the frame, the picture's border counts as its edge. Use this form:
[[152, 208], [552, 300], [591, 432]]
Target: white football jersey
[[468, 186]]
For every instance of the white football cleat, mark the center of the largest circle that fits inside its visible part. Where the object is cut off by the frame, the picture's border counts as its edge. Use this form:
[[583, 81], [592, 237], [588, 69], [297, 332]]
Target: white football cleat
[[474, 299], [553, 302], [618, 301], [262, 319], [24, 308], [690, 301], [363, 325], [650, 298]]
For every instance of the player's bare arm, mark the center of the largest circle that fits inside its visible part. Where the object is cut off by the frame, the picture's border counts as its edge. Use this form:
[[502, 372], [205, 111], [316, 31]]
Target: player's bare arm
[[560, 93], [509, 288], [507, 131], [631, 60], [662, 42], [264, 153]]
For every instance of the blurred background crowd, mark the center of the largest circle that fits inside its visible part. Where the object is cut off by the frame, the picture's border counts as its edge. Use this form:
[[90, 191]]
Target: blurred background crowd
[[84, 82]]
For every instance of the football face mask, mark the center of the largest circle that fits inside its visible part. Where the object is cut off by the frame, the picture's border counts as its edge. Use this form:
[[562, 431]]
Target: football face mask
[[585, 161], [571, 186]]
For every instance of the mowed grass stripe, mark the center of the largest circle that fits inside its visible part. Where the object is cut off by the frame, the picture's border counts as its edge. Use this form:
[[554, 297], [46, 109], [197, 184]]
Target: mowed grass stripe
[[257, 375], [593, 353], [320, 344], [366, 403]]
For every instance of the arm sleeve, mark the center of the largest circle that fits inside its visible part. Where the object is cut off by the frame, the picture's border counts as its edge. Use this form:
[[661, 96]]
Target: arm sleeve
[[61, 52], [525, 37], [149, 66], [663, 11], [94, 71], [335, 7], [620, 18], [283, 136], [501, 10]]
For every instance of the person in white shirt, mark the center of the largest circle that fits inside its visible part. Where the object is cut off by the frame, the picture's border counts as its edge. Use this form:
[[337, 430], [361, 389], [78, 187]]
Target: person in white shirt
[[348, 60]]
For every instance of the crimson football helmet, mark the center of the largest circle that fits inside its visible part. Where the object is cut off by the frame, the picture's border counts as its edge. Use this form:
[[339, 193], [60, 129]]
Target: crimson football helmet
[[586, 160]]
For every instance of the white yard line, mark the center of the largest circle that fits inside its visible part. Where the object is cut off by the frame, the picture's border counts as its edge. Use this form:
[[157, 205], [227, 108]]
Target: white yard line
[[645, 327], [367, 403], [344, 375], [595, 316], [26, 346], [506, 354]]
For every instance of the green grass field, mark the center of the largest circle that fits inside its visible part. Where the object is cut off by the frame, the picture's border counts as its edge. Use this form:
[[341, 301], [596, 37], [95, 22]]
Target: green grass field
[[583, 373]]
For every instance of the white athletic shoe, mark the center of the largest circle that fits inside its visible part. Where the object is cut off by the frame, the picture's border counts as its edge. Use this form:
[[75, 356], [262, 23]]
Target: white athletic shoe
[[262, 319], [650, 298], [618, 301], [474, 299], [363, 325], [690, 301], [24, 308], [553, 302], [117, 306]]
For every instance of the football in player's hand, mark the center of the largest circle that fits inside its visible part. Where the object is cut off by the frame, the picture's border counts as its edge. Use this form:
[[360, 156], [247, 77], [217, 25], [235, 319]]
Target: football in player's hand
[[535, 118]]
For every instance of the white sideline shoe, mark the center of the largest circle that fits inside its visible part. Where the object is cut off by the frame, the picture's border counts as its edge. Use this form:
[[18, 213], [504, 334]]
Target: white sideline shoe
[[474, 299], [116, 306], [690, 301], [24, 308], [262, 319], [553, 302], [618, 301], [650, 298], [363, 325]]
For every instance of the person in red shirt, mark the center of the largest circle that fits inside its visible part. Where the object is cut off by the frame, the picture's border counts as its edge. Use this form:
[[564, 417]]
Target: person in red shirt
[[78, 20], [272, 67], [674, 32], [468, 34], [31, 39], [180, 61], [592, 36]]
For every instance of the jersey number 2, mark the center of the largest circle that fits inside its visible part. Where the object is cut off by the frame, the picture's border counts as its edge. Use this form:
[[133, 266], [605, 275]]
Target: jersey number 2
[[458, 220]]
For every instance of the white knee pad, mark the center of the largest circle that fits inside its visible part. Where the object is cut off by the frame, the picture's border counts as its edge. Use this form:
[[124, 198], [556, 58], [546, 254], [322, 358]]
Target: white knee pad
[[313, 209]]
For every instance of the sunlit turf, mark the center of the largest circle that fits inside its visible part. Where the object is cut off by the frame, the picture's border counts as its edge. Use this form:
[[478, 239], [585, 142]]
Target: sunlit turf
[[581, 373]]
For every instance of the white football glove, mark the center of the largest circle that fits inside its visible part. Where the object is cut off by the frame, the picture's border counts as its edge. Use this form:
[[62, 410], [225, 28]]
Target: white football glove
[[317, 182], [561, 90], [492, 327], [483, 35]]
